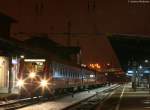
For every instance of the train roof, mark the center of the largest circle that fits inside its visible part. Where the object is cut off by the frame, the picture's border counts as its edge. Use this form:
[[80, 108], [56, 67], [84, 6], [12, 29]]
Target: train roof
[[75, 65]]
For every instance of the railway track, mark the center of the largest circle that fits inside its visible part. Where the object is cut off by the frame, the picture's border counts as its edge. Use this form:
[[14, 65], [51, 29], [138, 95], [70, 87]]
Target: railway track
[[15, 104], [20, 103], [91, 102]]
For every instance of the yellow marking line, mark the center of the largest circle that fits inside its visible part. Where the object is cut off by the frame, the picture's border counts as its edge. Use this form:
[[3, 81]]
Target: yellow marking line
[[118, 105]]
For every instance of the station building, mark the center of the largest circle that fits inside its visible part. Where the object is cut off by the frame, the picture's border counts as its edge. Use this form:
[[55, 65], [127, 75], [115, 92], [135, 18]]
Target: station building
[[6, 50]]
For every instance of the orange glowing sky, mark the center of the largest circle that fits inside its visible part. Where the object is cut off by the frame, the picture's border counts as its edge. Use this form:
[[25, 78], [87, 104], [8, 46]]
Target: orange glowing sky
[[103, 16]]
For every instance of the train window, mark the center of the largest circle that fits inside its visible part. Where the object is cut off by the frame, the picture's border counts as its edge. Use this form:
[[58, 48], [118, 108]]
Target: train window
[[71, 75], [79, 75], [65, 72], [56, 67], [75, 74], [61, 71], [36, 67], [69, 72]]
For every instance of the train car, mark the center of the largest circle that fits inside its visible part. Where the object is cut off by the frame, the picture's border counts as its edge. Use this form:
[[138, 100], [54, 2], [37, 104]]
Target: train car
[[65, 77], [101, 79], [89, 77]]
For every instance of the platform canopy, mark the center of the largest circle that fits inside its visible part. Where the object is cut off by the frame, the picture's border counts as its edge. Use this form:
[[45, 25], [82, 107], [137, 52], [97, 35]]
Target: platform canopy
[[130, 49]]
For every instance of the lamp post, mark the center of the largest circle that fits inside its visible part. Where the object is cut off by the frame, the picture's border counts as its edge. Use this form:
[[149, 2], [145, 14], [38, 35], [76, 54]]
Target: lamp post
[[106, 74], [134, 76], [139, 73], [146, 61]]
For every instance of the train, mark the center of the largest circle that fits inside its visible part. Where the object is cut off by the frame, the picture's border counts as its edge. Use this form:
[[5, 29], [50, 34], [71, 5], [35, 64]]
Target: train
[[38, 77]]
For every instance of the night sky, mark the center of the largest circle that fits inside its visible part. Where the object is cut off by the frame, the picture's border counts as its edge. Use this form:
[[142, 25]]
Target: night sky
[[85, 16]]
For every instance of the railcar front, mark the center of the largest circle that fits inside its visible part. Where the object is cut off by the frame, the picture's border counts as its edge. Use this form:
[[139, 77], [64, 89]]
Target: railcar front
[[32, 77]]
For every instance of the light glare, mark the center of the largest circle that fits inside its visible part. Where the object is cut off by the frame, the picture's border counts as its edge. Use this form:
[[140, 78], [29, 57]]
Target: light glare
[[21, 56], [20, 83], [34, 60], [91, 76], [44, 83], [146, 61]]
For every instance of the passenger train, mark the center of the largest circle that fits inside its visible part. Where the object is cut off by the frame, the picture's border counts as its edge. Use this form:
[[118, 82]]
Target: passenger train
[[40, 77]]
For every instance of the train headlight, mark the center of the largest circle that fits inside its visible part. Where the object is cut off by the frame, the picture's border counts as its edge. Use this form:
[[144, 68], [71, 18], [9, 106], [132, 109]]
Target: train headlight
[[43, 83], [32, 75], [20, 83]]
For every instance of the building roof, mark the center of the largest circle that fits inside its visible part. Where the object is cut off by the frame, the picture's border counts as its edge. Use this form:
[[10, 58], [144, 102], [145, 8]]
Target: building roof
[[4, 17], [13, 47], [9, 46], [52, 47]]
